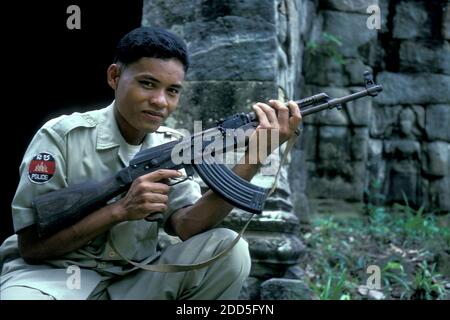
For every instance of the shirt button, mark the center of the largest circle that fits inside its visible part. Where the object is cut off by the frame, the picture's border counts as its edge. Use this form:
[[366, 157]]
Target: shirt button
[[111, 254]]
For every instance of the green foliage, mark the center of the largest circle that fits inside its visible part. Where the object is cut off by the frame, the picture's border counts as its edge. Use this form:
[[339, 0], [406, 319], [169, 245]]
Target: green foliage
[[428, 284], [335, 287], [327, 46], [394, 274], [404, 242]]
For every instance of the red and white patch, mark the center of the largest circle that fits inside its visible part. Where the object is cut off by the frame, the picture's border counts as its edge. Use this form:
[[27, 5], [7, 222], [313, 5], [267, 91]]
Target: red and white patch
[[42, 168]]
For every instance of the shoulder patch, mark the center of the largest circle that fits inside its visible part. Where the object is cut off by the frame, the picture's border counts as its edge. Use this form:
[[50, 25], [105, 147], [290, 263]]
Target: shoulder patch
[[42, 168]]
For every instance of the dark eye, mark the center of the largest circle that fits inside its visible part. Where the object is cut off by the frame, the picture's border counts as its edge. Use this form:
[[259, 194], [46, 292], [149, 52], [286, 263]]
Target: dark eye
[[147, 84], [173, 91]]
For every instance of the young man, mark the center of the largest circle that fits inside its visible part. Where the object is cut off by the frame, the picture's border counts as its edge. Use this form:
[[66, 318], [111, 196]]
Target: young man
[[80, 262]]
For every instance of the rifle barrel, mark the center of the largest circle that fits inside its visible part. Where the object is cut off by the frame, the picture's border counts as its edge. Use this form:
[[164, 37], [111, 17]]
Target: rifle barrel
[[371, 91]]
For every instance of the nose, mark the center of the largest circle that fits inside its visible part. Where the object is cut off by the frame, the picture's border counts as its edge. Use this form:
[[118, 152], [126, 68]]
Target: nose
[[158, 99]]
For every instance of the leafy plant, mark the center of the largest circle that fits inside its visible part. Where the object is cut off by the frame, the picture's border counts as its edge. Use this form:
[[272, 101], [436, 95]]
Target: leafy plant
[[428, 285], [334, 288], [394, 273], [327, 46]]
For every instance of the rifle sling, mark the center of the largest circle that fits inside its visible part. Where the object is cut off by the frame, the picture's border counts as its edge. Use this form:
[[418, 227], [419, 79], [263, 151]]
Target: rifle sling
[[169, 268]]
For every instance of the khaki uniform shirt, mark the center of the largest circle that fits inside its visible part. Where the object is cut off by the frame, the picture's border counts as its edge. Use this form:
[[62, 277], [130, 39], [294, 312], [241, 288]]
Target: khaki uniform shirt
[[69, 150]]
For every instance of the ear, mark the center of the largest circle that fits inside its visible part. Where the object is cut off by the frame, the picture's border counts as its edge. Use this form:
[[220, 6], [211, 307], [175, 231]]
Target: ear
[[113, 74]]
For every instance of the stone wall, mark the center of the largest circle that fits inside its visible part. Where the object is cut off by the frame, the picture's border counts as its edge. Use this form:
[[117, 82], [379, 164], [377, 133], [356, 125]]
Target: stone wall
[[409, 132], [333, 151], [398, 141], [253, 50], [242, 52], [233, 48]]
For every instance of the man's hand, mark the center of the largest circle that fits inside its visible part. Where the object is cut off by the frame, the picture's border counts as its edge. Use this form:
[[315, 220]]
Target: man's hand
[[148, 194], [275, 117]]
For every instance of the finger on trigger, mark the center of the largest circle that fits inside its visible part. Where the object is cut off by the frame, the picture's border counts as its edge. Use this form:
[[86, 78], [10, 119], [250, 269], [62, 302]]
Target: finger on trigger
[[162, 174]]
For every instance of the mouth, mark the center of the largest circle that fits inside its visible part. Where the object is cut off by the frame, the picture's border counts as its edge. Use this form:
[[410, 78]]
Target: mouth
[[153, 115]]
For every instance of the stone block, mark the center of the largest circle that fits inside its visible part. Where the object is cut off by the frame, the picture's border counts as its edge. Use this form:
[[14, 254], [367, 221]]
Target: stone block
[[420, 116], [384, 120], [295, 272], [411, 20], [343, 26], [168, 13], [384, 11], [251, 290], [276, 220], [208, 101], [309, 142], [307, 16], [333, 92], [323, 71], [423, 56], [440, 193], [437, 119], [359, 144], [355, 69], [359, 111], [278, 201], [333, 143], [286, 289], [337, 188], [331, 116], [419, 88], [338, 207], [355, 6], [446, 22], [298, 173], [272, 253], [292, 16], [438, 158], [337, 179], [228, 40], [232, 48]]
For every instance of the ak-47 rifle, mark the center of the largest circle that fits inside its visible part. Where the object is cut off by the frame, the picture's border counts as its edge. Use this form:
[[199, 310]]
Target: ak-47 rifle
[[62, 208]]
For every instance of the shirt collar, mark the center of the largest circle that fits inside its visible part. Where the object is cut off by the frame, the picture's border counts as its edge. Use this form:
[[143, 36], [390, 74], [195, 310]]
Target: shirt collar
[[109, 135]]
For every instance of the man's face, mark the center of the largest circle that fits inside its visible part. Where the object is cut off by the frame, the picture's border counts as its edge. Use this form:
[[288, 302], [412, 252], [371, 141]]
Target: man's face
[[146, 92]]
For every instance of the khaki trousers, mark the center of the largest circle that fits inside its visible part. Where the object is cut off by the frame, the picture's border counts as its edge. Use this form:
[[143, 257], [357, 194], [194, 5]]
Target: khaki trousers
[[222, 280]]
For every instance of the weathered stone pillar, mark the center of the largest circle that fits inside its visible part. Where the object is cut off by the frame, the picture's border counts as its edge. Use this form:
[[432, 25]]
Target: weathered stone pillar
[[240, 56]]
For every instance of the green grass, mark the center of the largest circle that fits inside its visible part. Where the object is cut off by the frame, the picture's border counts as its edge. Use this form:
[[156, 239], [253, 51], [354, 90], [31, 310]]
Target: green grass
[[410, 247]]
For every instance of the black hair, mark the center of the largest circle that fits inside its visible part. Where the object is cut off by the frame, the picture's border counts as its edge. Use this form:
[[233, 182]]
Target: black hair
[[152, 42]]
